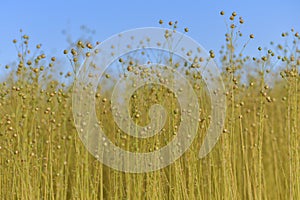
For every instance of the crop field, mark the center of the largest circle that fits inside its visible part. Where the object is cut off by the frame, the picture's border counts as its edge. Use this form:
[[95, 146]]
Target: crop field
[[257, 155]]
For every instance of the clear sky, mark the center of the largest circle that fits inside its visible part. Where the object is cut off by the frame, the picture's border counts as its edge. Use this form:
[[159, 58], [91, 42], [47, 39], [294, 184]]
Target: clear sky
[[45, 20]]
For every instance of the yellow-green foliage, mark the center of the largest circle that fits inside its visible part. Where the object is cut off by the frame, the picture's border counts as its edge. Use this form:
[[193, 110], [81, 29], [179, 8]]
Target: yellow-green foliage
[[256, 157]]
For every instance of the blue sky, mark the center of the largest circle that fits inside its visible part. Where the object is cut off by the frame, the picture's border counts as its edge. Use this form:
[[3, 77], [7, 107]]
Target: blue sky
[[45, 20]]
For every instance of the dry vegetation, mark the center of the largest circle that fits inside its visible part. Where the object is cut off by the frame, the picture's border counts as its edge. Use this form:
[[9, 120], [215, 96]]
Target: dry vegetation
[[257, 156]]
